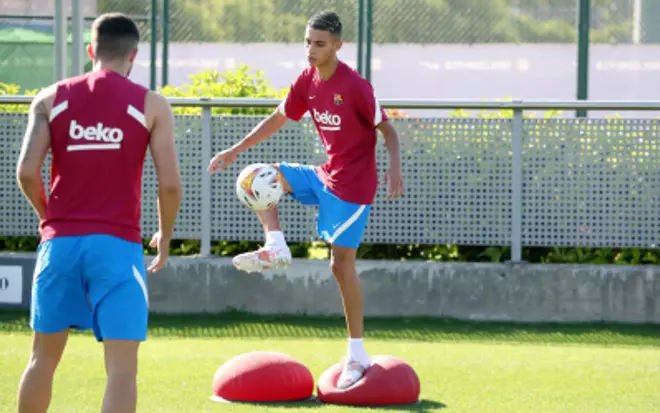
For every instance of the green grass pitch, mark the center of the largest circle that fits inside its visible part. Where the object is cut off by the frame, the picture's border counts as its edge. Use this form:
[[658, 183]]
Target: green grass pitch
[[463, 366]]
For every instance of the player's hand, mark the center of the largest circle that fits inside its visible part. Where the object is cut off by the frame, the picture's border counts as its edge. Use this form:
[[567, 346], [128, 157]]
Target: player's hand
[[395, 183], [223, 159], [163, 246]]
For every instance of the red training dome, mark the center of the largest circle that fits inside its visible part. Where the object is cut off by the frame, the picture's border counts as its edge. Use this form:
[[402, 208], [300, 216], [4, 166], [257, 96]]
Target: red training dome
[[263, 377], [388, 381]]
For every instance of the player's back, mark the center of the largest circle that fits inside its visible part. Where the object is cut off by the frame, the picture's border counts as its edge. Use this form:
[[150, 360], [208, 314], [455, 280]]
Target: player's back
[[99, 139]]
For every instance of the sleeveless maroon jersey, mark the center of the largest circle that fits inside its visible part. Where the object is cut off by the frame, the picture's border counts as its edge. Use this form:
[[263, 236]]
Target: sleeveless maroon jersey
[[99, 140]]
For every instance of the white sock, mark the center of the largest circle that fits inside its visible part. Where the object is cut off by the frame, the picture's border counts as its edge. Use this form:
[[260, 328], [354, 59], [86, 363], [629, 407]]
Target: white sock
[[275, 239], [357, 352]]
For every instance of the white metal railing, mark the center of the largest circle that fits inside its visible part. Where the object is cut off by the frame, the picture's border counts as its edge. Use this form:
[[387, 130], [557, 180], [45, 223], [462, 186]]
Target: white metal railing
[[517, 125], [412, 103]]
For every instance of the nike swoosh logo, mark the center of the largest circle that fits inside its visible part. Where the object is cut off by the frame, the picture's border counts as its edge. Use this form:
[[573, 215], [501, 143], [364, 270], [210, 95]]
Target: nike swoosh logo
[[312, 97]]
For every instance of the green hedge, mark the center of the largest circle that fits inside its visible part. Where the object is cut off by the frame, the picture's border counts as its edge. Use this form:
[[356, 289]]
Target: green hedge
[[244, 83]]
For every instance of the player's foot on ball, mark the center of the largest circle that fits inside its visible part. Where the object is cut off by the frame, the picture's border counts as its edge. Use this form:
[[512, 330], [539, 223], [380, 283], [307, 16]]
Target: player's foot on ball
[[265, 258], [352, 372]]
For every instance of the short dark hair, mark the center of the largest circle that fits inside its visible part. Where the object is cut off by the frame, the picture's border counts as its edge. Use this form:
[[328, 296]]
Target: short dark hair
[[327, 21], [114, 36]]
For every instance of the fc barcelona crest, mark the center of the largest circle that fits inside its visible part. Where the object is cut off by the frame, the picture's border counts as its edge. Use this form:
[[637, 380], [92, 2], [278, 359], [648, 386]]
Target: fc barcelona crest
[[338, 99]]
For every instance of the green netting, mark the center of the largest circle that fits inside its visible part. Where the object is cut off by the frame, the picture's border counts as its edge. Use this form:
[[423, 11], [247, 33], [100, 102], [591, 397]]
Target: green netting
[[27, 57]]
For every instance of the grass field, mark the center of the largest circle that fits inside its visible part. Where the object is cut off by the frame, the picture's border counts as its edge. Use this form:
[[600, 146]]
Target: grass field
[[463, 366]]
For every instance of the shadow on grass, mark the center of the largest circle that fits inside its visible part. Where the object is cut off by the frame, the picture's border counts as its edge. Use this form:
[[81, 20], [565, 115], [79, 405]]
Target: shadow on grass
[[422, 406], [236, 324], [306, 403]]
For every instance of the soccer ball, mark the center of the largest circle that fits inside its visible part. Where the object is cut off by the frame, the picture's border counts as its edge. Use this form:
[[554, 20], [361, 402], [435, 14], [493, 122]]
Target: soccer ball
[[259, 186]]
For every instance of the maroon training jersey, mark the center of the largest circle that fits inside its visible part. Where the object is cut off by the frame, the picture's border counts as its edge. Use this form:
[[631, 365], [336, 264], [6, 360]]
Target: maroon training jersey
[[346, 114], [99, 139]]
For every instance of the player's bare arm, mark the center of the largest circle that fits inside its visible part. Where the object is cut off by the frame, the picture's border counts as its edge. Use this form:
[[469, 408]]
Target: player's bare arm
[[264, 130], [393, 177], [163, 151], [34, 149]]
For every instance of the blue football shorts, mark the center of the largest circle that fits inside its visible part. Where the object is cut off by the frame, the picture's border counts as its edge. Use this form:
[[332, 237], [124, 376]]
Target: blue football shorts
[[90, 282], [339, 222]]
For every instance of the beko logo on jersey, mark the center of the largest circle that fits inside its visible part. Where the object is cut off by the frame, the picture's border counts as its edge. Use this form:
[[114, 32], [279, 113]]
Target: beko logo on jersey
[[107, 138], [100, 132], [328, 121]]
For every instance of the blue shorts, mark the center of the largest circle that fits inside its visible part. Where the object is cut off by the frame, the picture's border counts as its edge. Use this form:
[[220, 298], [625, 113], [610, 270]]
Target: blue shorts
[[339, 222], [90, 282]]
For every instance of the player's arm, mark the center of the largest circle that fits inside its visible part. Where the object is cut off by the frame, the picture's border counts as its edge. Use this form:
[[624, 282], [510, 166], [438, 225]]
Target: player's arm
[[371, 111], [34, 149], [392, 143], [292, 107], [163, 152]]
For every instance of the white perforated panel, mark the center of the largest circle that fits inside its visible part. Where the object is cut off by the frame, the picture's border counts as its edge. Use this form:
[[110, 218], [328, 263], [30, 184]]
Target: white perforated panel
[[18, 217], [457, 175], [191, 165], [591, 183], [585, 182]]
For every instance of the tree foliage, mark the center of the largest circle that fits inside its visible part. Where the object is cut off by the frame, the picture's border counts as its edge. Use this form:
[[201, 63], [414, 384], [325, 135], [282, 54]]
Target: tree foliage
[[395, 21]]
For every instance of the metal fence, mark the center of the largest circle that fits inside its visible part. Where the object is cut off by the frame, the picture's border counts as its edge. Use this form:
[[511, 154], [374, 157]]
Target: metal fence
[[469, 181]]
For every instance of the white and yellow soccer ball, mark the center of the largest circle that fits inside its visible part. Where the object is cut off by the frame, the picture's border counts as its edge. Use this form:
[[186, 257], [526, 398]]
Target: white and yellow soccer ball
[[259, 186]]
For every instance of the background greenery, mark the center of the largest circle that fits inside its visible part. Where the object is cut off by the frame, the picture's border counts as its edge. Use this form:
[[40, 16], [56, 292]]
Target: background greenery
[[242, 82], [395, 21]]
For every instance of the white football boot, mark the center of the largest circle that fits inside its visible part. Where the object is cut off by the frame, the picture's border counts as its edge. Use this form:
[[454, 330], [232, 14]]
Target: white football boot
[[352, 372], [265, 258]]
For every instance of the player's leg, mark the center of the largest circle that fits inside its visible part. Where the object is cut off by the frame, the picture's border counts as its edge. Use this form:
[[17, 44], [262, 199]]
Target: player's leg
[[343, 268], [121, 362], [275, 253], [270, 219], [342, 224], [58, 303], [36, 385], [118, 292]]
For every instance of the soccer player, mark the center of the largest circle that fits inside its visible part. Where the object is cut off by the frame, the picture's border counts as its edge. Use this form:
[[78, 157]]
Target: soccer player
[[90, 271], [347, 117]]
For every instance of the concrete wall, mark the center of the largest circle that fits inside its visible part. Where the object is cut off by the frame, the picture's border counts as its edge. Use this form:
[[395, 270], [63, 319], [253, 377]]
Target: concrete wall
[[468, 291]]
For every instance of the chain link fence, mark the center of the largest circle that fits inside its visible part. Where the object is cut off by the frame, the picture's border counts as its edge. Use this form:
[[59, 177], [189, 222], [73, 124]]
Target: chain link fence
[[410, 21], [520, 49], [254, 21], [27, 40]]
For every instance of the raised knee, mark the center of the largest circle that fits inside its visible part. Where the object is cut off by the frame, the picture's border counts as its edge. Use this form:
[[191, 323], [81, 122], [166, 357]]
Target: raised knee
[[285, 184]]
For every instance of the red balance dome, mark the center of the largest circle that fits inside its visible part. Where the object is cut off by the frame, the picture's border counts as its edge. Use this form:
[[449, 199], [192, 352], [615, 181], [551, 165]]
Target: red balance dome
[[388, 381], [263, 377]]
